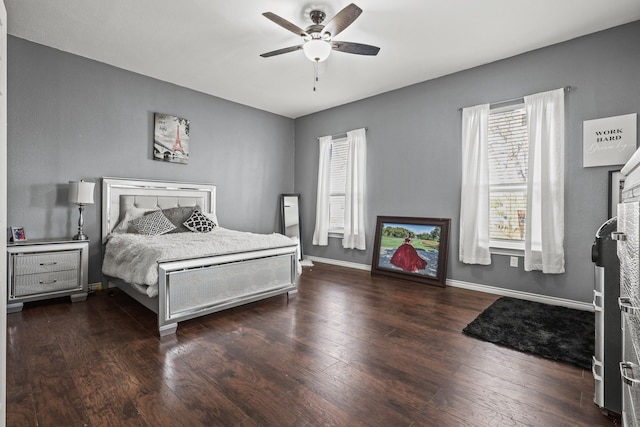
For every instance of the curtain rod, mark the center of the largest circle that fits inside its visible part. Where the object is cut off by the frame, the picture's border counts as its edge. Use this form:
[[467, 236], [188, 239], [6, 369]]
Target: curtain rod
[[339, 134], [566, 88]]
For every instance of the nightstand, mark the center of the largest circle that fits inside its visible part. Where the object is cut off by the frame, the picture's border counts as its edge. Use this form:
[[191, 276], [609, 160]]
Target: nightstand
[[46, 268]]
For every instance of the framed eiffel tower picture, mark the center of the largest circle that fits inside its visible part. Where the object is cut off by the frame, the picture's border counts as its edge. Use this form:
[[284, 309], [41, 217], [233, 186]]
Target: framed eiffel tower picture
[[170, 138]]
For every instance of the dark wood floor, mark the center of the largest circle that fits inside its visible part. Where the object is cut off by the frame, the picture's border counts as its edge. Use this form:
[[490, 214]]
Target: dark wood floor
[[350, 350]]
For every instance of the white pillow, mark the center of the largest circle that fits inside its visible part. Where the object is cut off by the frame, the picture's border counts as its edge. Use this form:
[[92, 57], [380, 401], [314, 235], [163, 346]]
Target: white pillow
[[131, 214], [212, 216]]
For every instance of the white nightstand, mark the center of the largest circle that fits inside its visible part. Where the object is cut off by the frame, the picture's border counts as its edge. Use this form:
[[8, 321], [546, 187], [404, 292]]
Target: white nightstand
[[47, 268]]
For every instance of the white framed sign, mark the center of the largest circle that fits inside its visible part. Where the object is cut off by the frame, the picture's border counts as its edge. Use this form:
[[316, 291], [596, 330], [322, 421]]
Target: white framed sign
[[609, 141]]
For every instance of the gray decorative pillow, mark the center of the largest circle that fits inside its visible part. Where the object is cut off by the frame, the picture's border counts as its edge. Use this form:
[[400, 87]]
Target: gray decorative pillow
[[153, 224], [178, 216], [199, 222]]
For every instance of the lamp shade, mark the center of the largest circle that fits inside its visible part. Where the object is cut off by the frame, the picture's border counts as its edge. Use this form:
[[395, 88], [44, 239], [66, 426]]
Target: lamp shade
[[81, 192], [317, 50]]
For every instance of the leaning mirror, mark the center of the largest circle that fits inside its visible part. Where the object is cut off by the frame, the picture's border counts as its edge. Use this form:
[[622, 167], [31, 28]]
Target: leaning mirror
[[290, 204]]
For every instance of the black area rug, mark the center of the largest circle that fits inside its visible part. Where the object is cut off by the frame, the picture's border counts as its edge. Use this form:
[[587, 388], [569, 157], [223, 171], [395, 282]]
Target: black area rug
[[557, 333]]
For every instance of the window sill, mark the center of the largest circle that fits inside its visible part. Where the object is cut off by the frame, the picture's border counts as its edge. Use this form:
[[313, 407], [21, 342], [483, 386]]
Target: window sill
[[506, 251], [336, 234], [498, 247]]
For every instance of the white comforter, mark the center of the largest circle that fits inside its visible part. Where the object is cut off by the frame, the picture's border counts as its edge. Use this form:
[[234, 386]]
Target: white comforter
[[133, 257]]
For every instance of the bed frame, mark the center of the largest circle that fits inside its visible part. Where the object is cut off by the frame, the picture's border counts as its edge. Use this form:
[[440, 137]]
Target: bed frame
[[194, 287]]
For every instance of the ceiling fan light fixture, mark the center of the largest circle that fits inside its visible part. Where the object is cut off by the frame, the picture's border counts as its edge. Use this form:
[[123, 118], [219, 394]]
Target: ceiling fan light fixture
[[317, 50]]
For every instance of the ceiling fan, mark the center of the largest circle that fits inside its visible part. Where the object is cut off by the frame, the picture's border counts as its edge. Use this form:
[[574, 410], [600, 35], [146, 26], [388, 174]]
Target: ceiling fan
[[318, 38]]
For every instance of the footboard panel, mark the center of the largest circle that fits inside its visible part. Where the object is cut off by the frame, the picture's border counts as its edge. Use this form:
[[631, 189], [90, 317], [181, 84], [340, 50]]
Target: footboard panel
[[193, 288]]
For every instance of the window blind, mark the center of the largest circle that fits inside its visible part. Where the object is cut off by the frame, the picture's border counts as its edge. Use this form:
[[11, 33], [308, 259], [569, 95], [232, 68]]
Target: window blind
[[508, 169], [337, 186]]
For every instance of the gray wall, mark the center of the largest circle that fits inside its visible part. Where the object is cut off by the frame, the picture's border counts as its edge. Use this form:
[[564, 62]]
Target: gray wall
[[414, 153], [71, 118]]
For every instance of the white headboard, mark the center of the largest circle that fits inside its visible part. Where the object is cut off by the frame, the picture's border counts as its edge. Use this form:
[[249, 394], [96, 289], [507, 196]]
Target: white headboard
[[118, 194]]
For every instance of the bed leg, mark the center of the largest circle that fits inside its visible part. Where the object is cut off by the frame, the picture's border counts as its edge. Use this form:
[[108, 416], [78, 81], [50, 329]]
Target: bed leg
[[169, 329], [292, 294]]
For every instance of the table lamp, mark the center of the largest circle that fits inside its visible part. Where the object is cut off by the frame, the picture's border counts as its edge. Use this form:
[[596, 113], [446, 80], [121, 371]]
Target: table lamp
[[81, 193]]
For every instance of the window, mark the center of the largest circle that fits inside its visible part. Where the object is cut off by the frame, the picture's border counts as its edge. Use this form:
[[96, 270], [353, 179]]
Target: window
[[337, 186], [342, 165], [508, 147], [511, 204]]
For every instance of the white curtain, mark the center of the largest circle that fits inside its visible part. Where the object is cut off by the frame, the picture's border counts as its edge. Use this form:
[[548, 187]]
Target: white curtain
[[474, 197], [321, 232], [545, 187], [354, 230]]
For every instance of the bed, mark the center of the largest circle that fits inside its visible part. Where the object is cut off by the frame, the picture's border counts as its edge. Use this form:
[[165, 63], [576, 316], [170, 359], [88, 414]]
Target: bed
[[189, 285]]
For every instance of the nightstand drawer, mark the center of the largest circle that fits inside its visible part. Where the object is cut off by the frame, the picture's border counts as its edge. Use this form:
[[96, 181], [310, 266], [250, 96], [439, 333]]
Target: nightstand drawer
[[43, 283], [46, 262]]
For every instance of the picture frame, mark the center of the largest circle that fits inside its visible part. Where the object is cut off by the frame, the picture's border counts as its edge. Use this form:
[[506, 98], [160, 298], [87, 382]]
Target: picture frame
[[609, 140], [18, 234], [616, 184], [170, 138], [412, 248]]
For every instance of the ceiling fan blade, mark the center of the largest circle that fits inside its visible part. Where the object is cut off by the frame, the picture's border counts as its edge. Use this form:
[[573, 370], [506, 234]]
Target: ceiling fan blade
[[285, 24], [281, 51], [342, 20], [356, 48]]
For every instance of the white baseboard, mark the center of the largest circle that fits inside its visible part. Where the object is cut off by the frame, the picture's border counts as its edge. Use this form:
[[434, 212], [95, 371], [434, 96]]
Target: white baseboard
[[339, 263], [579, 305]]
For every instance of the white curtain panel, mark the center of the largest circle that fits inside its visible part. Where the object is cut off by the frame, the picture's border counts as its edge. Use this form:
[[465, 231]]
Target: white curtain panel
[[544, 239], [354, 230], [474, 197], [321, 232]]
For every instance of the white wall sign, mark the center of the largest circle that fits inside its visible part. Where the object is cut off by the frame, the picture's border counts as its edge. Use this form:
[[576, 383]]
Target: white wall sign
[[609, 141]]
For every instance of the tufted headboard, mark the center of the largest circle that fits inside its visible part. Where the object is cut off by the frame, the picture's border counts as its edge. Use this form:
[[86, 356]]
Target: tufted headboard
[[118, 194]]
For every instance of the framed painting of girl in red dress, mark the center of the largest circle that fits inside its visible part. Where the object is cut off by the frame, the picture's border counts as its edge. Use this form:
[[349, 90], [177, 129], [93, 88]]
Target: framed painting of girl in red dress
[[412, 248]]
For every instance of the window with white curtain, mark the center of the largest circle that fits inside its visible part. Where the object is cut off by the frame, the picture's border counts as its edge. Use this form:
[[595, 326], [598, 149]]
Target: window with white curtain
[[342, 171], [508, 155], [337, 186], [508, 196]]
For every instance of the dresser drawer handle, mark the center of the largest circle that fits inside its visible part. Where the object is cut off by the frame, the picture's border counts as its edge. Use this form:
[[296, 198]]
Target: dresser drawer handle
[[48, 282], [629, 372], [626, 307], [49, 263]]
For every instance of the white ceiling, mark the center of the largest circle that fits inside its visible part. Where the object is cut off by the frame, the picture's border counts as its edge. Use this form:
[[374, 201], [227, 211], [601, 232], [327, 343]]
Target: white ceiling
[[213, 46]]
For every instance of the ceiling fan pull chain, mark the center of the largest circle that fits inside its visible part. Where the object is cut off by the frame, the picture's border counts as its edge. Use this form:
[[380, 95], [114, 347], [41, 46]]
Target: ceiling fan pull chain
[[315, 74]]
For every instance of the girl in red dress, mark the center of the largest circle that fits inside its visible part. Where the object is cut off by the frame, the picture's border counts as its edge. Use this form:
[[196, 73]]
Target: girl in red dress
[[406, 257]]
